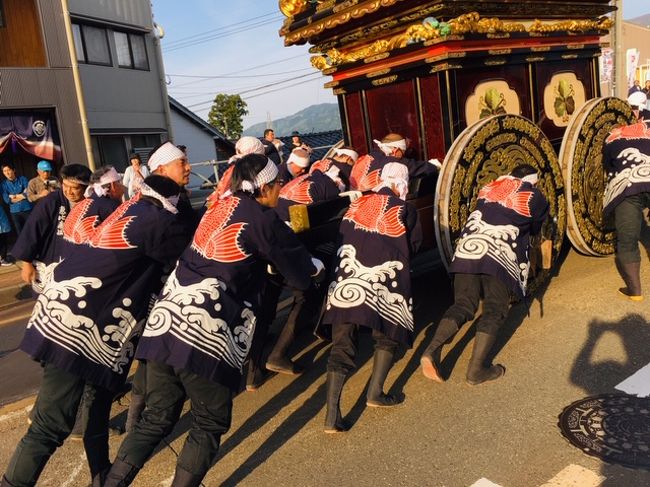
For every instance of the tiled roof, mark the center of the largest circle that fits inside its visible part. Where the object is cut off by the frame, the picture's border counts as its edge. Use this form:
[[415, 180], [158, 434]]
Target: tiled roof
[[319, 141]]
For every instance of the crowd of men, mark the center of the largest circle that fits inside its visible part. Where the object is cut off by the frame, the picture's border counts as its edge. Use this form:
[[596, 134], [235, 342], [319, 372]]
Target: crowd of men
[[191, 294]]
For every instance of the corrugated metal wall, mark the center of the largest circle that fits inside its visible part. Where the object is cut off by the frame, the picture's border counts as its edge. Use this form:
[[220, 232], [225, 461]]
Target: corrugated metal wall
[[134, 12]]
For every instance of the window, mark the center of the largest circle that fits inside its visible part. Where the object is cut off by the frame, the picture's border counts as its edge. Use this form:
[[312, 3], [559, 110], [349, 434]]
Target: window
[[91, 44], [131, 50]]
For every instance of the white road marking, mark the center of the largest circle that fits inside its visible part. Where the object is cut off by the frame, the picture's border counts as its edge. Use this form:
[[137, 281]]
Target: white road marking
[[575, 476], [77, 470], [21, 412], [638, 384], [484, 483]]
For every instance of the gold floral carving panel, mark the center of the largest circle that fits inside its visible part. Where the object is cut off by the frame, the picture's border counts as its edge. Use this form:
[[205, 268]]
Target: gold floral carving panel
[[563, 96], [494, 97]]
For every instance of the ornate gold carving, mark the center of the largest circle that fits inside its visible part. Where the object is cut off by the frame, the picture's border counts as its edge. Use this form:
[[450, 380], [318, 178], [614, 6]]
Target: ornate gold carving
[[541, 49], [575, 46], [381, 72], [384, 81], [292, 7], [445, 67], [340, 91], [378, 57], [534, 59], [426, 32], [499, 52], [569, 56], [495, 62], [331, 84]]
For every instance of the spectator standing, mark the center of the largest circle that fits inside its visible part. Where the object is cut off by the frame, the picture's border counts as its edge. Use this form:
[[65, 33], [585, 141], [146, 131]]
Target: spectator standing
[[5, 228], [270, 150], [297, 143], [134, 175], [14, 193], [43, 184]]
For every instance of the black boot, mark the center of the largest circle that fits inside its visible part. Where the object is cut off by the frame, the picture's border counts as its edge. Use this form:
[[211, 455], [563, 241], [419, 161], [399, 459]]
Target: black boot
[[135, 411], [431, 357], [382, 362], [333, 421], [183, 478], [255, 377], [631, 274], [278, 361], [121, 474], [99, 478], [477, 373]]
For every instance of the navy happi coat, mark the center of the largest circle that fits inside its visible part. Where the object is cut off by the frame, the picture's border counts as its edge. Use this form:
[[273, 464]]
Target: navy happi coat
[[83, 220], [41, 239], [626, 160], [367, 170], [496, 237], [372, 285], [311, 188], [87, 317], [204, 319]]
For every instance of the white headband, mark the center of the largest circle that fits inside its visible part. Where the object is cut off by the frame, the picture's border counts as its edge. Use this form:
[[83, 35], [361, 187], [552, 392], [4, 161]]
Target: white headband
[[333, 173], [347, 152], [265, 176], [165, 154], [387, 147], [298, 160], [168, 203], [109, 177], [531, 178], [396, 174]]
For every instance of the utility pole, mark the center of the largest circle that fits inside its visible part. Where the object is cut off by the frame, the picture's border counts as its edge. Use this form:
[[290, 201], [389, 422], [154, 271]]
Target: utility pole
[[620, 73]]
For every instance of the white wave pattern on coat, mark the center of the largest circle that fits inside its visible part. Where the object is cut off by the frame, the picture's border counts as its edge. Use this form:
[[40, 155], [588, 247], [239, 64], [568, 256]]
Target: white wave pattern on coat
[[370, 286], [179, 312], [638, 172], [54, 318], [497, 242]]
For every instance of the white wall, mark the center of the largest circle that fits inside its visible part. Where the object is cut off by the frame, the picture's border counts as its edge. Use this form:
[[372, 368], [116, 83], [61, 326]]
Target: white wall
[[200, 144]]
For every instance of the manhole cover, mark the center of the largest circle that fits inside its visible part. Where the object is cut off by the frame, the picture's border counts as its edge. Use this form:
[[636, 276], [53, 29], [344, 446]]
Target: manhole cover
[[613, 427]]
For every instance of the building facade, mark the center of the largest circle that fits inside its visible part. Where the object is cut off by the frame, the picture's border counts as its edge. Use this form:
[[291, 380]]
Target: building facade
[[80, 82]]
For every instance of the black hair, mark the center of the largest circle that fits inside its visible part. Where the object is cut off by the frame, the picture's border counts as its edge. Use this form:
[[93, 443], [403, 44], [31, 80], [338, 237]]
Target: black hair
[[9, 165], [246, 169], [523, 170], [135, 155], [76, 171], [266, 132], [162, 185]]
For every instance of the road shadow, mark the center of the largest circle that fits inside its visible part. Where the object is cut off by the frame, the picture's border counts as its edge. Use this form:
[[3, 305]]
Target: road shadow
[[597, 377]]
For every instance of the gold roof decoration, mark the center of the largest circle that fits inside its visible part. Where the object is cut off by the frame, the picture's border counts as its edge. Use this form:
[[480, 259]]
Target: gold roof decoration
[[430, 29], [292, 7]]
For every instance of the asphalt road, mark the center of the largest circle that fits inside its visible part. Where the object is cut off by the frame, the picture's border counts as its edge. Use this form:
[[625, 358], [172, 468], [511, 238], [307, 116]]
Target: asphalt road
[[579, 340]]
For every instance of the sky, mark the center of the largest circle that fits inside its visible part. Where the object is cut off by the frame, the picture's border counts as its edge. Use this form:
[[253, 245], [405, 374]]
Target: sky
[[236, 42]]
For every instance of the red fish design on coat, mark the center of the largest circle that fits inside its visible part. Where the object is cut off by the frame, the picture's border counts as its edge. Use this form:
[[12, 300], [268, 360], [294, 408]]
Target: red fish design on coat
[[111, 234], [505, 191], [323, 166], [78, 228], [371, 214], [635, 131], [215, 239], [297, 190]]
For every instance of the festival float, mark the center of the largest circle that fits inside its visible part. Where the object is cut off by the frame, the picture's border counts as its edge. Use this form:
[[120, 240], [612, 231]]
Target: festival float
[[479, 85]]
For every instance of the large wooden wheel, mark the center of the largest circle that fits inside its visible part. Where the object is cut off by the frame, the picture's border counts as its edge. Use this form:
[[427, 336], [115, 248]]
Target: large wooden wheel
[[584, 177], [484, 151]]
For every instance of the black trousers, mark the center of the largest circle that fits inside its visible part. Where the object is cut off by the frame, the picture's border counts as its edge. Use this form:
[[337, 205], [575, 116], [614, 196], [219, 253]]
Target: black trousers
[[345, 342], [468, 289], [631, 227], [53, 417], [19, 219], [3, 245], [211, 410]]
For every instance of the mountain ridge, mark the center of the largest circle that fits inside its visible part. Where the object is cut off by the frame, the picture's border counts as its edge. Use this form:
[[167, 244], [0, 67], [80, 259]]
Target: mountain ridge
[[321, 117]]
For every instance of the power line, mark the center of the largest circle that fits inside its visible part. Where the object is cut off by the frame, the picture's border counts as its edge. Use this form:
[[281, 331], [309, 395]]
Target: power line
[[280, 89], [171, 43], [225, 76], [268, 85], [222, 34]]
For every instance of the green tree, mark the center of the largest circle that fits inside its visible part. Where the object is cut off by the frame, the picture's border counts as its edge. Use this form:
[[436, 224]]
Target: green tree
[[226, 114]]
